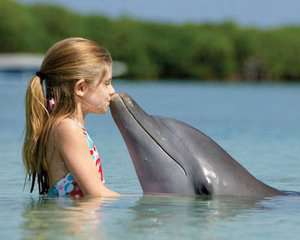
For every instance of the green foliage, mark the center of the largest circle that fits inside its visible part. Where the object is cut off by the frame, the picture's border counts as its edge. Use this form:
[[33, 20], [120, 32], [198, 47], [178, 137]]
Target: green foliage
[[57, 23], [17, 28], [280, 51], [159, 50], [210, 55], [129, 44]]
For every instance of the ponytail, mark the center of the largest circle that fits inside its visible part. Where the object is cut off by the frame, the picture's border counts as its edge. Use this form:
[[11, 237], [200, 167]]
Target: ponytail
[[36, 118]]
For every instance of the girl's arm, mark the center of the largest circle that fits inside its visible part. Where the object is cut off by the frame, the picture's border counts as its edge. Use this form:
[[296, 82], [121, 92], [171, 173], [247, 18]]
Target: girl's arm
[[73, 148]]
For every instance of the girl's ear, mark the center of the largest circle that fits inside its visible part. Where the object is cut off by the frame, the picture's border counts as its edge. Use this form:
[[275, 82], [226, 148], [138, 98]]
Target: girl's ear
[[80, 88]]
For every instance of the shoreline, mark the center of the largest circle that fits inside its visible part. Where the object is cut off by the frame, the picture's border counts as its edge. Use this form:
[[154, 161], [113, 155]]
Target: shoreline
[[30, 62]]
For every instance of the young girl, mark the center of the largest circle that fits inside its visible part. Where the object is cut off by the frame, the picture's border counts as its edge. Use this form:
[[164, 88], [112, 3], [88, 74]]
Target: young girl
[[58, 153]]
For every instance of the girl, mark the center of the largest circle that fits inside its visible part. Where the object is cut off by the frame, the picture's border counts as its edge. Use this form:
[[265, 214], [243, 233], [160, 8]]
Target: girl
[[74, 80]]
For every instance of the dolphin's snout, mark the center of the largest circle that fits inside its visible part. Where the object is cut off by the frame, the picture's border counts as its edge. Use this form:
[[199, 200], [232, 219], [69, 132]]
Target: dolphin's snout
[[121, 99], [121, 106], [115, 97], [120, 96], [117, 101], [126, 99]]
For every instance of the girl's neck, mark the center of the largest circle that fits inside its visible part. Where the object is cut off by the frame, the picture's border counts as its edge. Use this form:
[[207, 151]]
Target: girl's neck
[[79, 116], [79, 121]]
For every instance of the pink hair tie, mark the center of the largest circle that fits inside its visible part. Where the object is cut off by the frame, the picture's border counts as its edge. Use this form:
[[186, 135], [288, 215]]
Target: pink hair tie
[[51, 104]]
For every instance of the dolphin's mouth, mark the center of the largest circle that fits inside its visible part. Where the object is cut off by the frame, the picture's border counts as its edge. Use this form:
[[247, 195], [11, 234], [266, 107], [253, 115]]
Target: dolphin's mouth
[[128, 108]]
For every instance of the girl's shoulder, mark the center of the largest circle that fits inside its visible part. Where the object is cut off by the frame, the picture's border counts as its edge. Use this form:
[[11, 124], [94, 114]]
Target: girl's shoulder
[[67, 129]]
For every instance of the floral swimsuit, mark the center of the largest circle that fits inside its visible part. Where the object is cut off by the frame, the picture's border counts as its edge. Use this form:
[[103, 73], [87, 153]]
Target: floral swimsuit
[[67, 186]]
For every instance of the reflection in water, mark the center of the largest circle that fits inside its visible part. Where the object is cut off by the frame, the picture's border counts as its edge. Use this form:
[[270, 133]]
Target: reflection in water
[[136, 217], [61, 218], [183, 217]]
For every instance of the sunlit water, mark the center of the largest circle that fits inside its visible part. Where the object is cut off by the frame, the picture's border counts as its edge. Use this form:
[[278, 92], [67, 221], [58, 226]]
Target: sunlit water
[[257, 125]]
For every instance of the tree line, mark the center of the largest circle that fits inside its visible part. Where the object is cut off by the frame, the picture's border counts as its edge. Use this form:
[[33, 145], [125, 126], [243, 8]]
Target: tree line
[[207, 51]]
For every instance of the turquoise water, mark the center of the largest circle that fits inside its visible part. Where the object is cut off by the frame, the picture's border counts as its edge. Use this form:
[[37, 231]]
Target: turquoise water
[[257, 124]]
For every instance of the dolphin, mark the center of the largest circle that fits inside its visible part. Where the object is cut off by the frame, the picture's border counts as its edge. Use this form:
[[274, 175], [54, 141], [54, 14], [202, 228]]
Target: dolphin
[[171, 157]]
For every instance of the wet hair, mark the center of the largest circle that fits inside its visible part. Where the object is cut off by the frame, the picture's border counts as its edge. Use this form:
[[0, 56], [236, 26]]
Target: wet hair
[[65, 63]]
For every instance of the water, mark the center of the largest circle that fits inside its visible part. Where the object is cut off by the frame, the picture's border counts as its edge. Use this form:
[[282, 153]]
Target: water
[[257, 125]]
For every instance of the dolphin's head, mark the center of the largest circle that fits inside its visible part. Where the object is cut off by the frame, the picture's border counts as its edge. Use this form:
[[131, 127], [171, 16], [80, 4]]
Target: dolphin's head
[[159, 162], [172, 157]]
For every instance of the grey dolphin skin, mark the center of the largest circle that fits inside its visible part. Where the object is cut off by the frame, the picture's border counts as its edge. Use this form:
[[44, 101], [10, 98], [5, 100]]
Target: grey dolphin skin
[[171, 157]]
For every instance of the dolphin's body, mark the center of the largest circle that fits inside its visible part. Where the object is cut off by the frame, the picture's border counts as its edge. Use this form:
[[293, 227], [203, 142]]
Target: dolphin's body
[[171, 157]]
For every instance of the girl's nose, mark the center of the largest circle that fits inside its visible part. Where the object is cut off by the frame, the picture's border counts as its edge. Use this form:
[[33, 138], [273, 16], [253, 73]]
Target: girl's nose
[[112, 90]]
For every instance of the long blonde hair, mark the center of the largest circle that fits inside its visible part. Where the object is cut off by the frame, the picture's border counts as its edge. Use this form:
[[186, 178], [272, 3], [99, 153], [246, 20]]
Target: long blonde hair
[[65, 63]]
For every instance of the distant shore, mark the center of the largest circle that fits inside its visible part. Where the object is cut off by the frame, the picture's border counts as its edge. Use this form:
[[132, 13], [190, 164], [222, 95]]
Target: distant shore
[[28, 62], [226, 51]]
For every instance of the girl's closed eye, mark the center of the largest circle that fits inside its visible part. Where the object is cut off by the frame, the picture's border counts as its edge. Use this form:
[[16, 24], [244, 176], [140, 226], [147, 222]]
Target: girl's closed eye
[[108, 82]]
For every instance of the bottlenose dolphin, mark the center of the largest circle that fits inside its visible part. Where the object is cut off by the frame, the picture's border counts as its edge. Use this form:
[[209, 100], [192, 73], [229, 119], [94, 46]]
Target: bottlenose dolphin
[[171, 157]]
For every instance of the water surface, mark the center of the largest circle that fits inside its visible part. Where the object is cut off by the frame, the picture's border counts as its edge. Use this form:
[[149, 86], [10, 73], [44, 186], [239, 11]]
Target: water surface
[[257, 124]]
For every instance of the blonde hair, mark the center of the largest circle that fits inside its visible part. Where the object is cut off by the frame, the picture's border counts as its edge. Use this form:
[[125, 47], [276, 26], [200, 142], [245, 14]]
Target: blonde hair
[[65, 63]]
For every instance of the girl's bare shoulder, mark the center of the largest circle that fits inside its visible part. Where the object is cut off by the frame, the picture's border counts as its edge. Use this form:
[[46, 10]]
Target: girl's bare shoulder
[[67, 129]]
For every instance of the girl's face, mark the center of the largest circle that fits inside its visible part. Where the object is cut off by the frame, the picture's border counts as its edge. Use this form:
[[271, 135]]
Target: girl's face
[[97, 95]]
